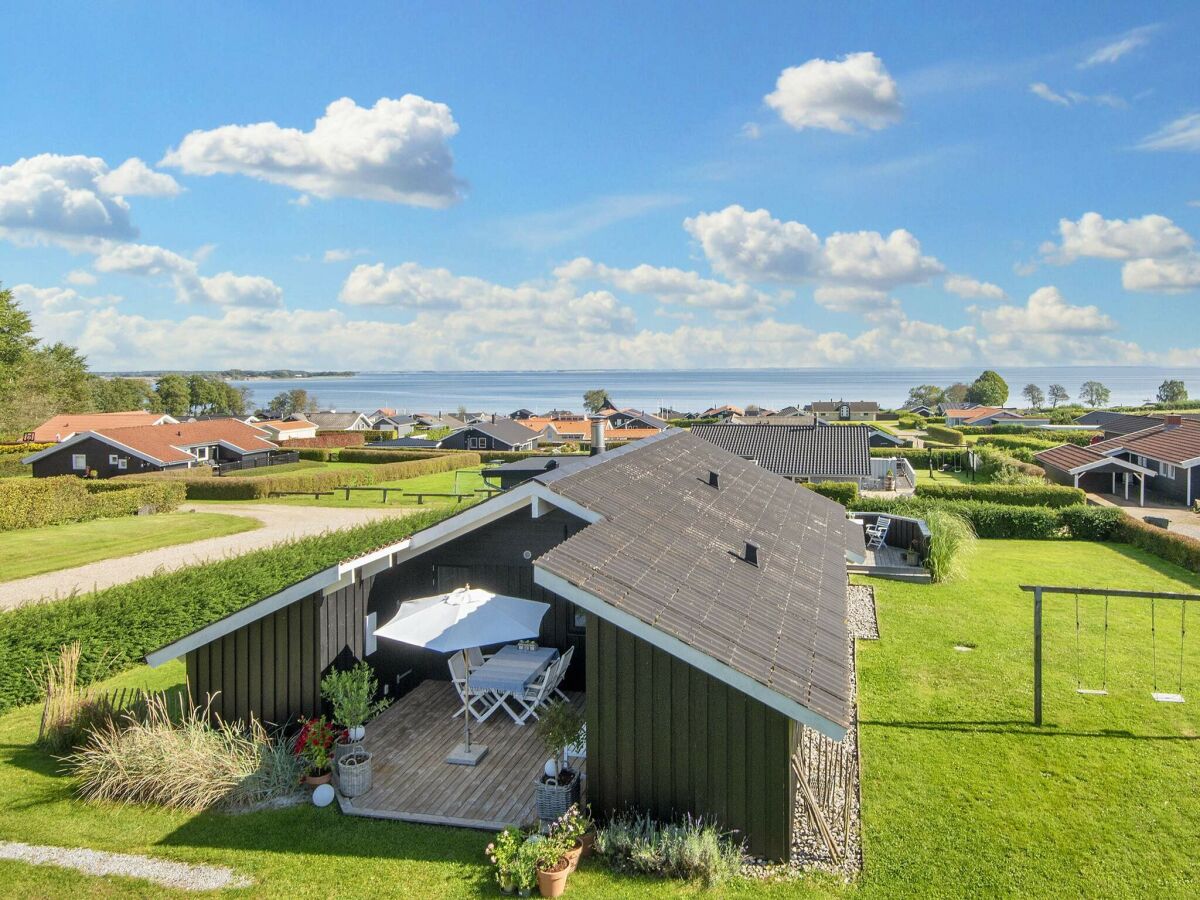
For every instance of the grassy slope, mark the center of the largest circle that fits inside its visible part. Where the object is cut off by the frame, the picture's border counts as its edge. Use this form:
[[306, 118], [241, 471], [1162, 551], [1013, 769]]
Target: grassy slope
[[962, 793], [32, 551], [962, 797]]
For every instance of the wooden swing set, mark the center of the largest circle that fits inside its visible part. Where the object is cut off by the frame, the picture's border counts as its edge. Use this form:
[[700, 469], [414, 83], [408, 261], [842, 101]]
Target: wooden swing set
[[1040, 590]]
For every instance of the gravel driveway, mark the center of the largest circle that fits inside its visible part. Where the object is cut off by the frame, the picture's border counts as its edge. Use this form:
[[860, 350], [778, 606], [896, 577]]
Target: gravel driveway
[[280, 523]]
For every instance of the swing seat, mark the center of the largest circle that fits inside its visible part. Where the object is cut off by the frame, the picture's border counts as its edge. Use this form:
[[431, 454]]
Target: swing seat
[[1167, 698], [1098, 692]]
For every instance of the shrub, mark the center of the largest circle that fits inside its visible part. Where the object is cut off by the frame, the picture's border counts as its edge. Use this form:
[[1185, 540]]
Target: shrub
[[330, 439], [1171, 546], [945, 435], [988, 520], [192, 764], [1040, 494], [691, 850], [844, 492], [1016, 442], [317, 454], [1091, 523], [351, 694], [118, 626], [70, 712], [37, 502], [951, 541], [992, 462]]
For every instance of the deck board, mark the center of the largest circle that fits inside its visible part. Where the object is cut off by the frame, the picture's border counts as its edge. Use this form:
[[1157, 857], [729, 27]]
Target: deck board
[[413, 782]]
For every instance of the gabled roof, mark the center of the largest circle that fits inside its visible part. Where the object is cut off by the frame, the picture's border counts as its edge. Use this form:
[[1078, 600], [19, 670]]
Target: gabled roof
[[969, 412], [335, 421], [1116, 422], [726, 410], [59, 428], [284, 424], [508, 431], [666, 561], [1175, 444], [167, 444], [855, 405], [651, 421], [1075, 460], [810, 451]]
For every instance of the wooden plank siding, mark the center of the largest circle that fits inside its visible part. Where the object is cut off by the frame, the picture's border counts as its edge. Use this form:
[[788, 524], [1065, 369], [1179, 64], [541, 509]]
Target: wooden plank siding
[[668, 739]]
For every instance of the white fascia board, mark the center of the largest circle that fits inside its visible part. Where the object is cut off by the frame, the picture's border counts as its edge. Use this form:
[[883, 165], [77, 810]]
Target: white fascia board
[[687, 653], [1087, 467], [242, 617], [102, 438], [567, 505]]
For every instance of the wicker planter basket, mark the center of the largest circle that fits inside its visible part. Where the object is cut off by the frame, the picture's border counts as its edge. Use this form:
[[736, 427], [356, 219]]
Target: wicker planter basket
[[553, 800], [354, 772], [341, 751]]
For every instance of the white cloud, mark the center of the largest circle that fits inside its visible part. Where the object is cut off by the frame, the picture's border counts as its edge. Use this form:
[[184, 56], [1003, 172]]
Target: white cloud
[[837, 95], [876, 305], [972, 289], [59, 301], [1046, 312], [223, 289], [1181, 134], [754, 246], [1168, 276], [1095, 236], [396, 151], [1114, 50], [673, 287], [341, 254], [1043, 90], [1075, 98], [751, 131], [133, 178], [80, 276], [58, 199]]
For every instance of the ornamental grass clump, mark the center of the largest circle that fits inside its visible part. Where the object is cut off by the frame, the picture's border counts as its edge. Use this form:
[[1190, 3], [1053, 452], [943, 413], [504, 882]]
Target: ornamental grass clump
[[952, 541], [71, 712], [693, 850], [189, 763]]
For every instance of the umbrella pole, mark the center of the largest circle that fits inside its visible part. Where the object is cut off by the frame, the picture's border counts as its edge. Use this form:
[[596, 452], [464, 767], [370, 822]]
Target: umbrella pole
[[464, 754], [467, 699]]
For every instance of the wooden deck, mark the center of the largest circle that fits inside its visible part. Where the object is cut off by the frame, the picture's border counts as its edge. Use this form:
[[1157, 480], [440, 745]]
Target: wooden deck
[[412, 781], [888, 562]]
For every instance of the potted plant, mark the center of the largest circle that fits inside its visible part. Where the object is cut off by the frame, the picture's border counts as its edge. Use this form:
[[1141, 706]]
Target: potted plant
[[912, 555], [352, 695], [889, 481], [502, 852], [526, 865], [314, 746], [570, 828], [557, 788], [553, 866], [354, 771]]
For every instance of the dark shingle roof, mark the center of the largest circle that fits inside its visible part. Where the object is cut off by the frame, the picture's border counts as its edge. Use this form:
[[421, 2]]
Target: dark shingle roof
[[1066, 457], [508, 431], [1117, 423], [1169, 443], [788, 450], [667, 551], [855, 405]]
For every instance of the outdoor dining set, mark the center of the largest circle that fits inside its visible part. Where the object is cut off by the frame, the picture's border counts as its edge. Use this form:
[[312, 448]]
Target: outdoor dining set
[[518, 679]]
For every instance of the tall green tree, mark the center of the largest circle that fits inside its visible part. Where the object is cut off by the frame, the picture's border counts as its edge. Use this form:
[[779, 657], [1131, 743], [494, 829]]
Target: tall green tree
[[1093, 393], [596, 400], [925, 395], [171, 395], [285, 403], [120, 394], [1058, 394], [1172, 391], [989, 389], [956, 393], [1033, 394]]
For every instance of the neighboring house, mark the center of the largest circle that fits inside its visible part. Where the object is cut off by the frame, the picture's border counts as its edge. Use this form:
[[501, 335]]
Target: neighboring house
[[812, 453], [509, 475], [501, 434], [412, 442], [790, 411], [844, 410], [151, 448], [280, 430], [776, 419], [560, 414], [982, 416], [922, 409], [723, 413], [398, 423], [634, 418], [880, 438], [704, 638], [59, 428], [522, 413], [667, 414], [332, 420], [430, 420], [578, 429], [1168, 452], [1115, 424]]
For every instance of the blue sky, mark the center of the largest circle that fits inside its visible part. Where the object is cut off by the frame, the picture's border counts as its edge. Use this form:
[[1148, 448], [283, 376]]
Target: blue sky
[[541, 186]]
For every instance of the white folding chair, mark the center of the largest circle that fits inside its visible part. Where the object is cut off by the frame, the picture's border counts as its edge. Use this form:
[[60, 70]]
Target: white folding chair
[[537, 693], [475, 658], [877, 533], [481, 703], [564, 663]]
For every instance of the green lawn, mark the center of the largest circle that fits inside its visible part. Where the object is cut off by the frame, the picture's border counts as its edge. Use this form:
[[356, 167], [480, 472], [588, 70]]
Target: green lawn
[[962, 796], [31, 551], [462, 481], [924, 476]]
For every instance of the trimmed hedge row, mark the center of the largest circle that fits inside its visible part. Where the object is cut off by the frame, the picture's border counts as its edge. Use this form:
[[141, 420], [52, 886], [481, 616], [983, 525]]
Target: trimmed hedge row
[[1055, 495], [1173, 547], [1016, 442], [843, 492], [329, 439], [945, 435], [919, 457], [1082, 438], [1008, 521], [256, 488], [37, 502], [317, 454], [118, 626]]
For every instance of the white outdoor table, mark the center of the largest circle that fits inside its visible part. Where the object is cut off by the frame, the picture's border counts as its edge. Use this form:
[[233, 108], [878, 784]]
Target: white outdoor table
[[511, 669]]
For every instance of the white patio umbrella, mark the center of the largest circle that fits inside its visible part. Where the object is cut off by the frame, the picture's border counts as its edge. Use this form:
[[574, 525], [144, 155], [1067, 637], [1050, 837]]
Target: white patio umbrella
[[464, 618]]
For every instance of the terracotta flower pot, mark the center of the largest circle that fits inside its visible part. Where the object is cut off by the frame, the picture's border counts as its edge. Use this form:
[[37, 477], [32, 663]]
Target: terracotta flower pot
[[314, 780], [552, 882], [572, 857], [587, 843]]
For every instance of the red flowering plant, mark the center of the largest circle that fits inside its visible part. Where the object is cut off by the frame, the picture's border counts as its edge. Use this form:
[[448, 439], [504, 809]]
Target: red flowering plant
[[314, 744]]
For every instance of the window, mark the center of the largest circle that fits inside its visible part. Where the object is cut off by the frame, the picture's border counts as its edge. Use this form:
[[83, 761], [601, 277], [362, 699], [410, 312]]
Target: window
[[201, 453], [1166, 470], [79, 462], [112, 459], [476, 443], [122, 463]]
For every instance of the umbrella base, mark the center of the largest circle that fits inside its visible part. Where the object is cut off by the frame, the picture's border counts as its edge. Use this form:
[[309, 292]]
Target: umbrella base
[[461, 756]]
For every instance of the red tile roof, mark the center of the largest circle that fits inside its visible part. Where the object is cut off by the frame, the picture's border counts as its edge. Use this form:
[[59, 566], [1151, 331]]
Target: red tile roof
[[59, 428], [166, 443], [1169, 443]]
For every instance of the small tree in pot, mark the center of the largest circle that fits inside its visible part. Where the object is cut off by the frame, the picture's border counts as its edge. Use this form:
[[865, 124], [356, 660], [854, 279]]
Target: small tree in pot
[[557, 788], [352, 696]]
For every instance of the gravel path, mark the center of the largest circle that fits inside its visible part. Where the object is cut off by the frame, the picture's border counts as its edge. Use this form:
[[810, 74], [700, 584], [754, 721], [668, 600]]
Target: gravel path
[[280, 523], [98, 862]]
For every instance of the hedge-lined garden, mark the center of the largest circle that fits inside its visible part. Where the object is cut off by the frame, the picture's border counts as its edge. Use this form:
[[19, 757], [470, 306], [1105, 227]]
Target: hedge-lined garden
[[1010, 521], [945, 435], [844, 492], [118, 626], [37, 502], [1015, 494]]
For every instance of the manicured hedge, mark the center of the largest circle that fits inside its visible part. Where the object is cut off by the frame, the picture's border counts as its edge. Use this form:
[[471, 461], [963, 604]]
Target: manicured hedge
[[989, 520], [118, 626], [1082, 438], [318, 454], [1169, 545], [1055, 495], [37, 502], [945, 435], [844, 492], [918, 457], [1016, 442], [256, 488], [329, 439], [1092, 523], [376, 457], [992, 460]]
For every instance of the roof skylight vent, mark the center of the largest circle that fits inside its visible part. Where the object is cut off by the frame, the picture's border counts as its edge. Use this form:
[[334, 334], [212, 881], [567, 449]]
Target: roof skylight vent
[[714, 479], [751, 554]]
